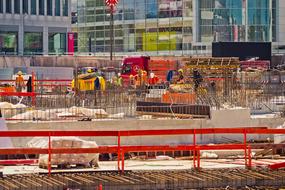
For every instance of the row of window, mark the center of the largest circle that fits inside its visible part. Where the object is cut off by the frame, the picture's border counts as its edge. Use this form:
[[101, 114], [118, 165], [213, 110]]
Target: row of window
[[52, 7], [33, 42]]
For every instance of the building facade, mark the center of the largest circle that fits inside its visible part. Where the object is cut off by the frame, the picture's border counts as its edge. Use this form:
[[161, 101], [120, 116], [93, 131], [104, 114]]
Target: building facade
[[29, 27], [177, 27]]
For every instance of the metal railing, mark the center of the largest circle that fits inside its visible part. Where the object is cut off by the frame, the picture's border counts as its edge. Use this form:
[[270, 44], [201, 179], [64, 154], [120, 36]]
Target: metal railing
[[121, 149]]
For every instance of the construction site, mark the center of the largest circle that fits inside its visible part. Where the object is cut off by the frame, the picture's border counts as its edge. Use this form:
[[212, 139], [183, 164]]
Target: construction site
[[141, 122]]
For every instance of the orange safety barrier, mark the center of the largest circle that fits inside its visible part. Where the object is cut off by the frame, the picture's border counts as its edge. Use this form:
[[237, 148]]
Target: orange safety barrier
[[179, 98], [8, 89]]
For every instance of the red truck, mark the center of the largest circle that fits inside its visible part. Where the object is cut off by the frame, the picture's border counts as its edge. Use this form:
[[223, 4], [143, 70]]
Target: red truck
[[160, 67]]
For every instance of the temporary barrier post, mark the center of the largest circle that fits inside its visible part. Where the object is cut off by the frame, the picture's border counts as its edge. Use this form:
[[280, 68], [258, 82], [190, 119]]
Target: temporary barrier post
[[194, 151], [123, 161], [245, 148], [33, 90], [119, 150], [198, 159], [49, 154]]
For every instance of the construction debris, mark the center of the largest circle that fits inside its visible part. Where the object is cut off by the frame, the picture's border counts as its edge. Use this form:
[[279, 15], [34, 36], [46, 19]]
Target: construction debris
[[86, 160], [53, 114]]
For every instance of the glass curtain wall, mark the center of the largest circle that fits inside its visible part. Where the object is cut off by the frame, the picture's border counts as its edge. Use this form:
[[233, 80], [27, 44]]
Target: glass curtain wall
[[33, 7], [64, 7], [1, 6], [234, 20], [57, 43], [139, 26], [57, 7], [221, 20], [8, 6], [8, 42], [17, 6], [49, 7], [33, 42], [41, 7], [259, 20], [25, 7]]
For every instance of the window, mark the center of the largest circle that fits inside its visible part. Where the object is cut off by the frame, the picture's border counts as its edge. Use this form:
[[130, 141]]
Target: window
[[57, 7], [49, 7], [33, 7], [1, 6], [57, 43], [41, 7], [33, 43], [65, 7], [8, 6], [127, 68], [25, 7], [17, 6], [8, 42]]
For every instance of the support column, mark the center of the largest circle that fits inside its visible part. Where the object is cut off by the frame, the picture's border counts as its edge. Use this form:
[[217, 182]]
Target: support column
[[45, 7], [195, 23], [4, 6], [270, 26], [280, 22], [21, 32], [45, 40], [37, 7], [29, 7], [21, 7], [12, 6], [21, 39], [53, 7], [245, 19], [69, 8]]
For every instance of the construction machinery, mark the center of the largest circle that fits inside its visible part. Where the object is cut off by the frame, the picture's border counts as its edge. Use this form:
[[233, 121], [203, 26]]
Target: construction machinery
[[85, 79]]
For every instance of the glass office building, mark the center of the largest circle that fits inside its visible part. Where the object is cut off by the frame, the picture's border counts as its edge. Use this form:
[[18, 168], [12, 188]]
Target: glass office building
[[236, 20], [139, 26], [175, 27], [29, 27]]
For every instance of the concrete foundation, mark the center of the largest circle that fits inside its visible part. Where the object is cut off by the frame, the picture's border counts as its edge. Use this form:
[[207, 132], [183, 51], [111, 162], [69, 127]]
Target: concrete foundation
[[219, 119]]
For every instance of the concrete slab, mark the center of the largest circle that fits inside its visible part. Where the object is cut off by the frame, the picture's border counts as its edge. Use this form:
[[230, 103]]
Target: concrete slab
[[138, 165], [220, 119]]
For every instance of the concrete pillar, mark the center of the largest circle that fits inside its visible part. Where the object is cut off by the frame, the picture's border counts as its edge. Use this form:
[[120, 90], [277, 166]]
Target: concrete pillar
[[281, 21], [245, 13], [45, 40], [37, 7], [4, 6], [21, 7], [45, 7], [195, 23], [12, 6], [61, 12], [21, 38], [29, 7], [53, 7], [69, 8], [271, 16]]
